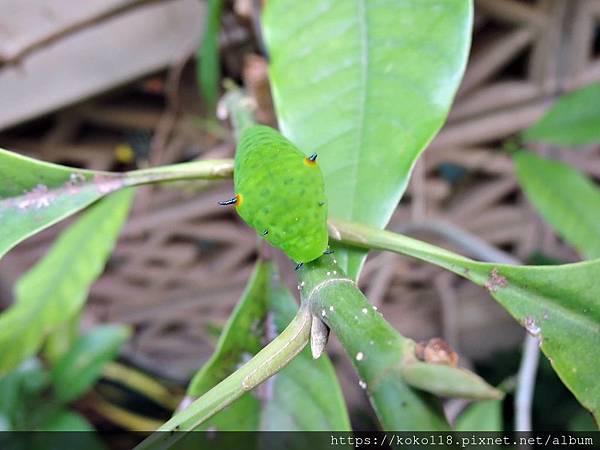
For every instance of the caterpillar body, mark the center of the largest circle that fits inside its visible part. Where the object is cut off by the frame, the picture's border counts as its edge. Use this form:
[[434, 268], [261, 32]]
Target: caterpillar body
[[280, 192]]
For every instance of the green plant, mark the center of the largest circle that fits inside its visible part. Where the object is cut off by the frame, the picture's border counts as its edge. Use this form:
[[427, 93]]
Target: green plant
[[45, 313], [366, 85]]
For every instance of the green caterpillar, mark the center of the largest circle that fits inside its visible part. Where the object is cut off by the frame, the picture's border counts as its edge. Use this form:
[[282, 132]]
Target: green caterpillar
[[280, 193]]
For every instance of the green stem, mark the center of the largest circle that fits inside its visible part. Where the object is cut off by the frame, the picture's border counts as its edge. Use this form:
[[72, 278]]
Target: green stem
[[240, 108], [372, 238], [265, 364], [218, 169], [375, 348]]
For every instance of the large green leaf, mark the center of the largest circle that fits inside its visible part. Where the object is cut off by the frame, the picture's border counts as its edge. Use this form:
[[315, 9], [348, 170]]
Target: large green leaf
[[385, 360], [305, 394], [559, 304], [55, 289], [82, 366], [35, 194], [366, 84], [573, 120], [566, 199]]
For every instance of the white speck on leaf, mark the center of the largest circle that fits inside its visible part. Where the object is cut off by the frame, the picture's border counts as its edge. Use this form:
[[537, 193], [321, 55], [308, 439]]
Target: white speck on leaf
[[331, 308], [76, 178], [365, 310], [39, 197], [323, 313], [531, 327], [360, 356], [362, 384], [107, 184], [495, 281], [375, 307], [73, 184]]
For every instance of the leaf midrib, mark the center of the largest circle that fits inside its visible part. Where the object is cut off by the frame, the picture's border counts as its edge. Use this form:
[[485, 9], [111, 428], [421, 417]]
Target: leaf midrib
[[364, 58]]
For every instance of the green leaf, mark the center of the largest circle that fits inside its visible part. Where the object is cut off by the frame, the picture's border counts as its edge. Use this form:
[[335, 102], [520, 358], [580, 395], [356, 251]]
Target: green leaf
[[82, 366], [573, 120], [17, 390], [305, 394], [207, 59], [66, 421], [65, 429], [60, 341], [366, 84], [55, 289], [35, 194], [559, 304], [238, 342], [481, 416], [446, 381], [568, 200]]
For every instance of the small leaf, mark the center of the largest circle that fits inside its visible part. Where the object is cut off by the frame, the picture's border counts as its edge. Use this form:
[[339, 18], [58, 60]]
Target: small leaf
[[65, 429], [207, 59], [573, 120], [35, 194], [447, 381], [366, 85], [17, 389], [481, 416], [568, 200], [66, 421], [558, 304], [55, 289], [82, 366]]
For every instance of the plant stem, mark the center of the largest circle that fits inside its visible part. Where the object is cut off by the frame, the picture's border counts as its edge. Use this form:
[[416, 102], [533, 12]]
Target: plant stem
[[265, 363], [384, 240], [480, 249], [239, 107], [526, 383], [471, 244], [367, 237], [216, 169]]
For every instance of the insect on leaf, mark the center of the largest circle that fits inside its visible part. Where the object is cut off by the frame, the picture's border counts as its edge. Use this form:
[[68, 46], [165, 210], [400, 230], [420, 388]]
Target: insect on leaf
[[366, 85], [280, 193]]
